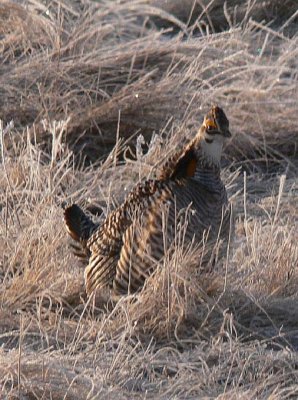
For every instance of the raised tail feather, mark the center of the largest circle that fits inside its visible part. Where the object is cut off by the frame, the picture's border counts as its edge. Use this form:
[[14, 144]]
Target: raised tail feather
[[79, 226]]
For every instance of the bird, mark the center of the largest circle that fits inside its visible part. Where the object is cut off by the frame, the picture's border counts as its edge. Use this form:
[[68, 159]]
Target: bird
[[126, 248]]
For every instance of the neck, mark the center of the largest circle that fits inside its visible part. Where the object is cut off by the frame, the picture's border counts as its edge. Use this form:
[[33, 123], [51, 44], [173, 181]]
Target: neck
[[211, 152], [208, 170]]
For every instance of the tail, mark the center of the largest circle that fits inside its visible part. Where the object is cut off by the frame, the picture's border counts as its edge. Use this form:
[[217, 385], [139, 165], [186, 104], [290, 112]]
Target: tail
[[78, 225]]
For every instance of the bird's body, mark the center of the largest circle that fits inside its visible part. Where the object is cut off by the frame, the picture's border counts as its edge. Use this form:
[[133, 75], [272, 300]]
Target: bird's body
[[186, 203]]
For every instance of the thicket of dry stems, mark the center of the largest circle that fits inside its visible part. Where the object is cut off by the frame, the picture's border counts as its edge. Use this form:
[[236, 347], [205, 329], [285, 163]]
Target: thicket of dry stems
[[82, 79]]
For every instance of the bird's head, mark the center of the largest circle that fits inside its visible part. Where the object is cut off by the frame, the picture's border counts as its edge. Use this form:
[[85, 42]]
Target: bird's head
[[213, 133]]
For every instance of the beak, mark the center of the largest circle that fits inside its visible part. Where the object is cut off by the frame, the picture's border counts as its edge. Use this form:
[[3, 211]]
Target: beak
[[210, 123]]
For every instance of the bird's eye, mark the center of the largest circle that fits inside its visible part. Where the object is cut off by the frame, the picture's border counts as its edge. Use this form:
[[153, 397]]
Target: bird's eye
[[210, 124]]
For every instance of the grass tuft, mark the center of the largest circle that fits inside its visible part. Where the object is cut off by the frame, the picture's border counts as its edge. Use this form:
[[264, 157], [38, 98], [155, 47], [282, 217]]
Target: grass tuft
[[93, 97]]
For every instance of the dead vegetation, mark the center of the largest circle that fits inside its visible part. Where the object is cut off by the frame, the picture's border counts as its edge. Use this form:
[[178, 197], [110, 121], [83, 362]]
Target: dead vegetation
[[83, 78], [94, 65]]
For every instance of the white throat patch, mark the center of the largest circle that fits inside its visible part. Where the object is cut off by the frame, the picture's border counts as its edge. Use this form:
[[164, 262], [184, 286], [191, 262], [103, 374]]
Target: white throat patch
[[213, 150]]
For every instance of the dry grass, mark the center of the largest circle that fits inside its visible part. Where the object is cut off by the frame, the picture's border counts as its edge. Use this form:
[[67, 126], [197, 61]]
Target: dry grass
[[80, 78]]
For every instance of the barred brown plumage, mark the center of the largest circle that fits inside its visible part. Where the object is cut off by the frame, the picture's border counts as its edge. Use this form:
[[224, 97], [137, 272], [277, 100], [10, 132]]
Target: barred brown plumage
[[124, 250]]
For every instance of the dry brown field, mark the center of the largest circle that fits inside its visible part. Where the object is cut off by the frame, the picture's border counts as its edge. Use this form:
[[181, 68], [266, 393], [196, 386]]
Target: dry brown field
[[94, 95]]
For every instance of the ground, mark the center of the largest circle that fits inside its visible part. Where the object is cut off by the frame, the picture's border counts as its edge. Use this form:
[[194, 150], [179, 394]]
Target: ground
[[93, 97]]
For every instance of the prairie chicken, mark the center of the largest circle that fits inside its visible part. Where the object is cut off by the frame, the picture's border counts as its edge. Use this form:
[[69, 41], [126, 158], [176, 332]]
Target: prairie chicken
[[122, 251]]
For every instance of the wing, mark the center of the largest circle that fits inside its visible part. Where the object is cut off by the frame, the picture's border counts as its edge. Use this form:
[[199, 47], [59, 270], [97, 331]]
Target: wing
[[106, 243], [100, 271], [105, 246], [181, 165], [144, 242]]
